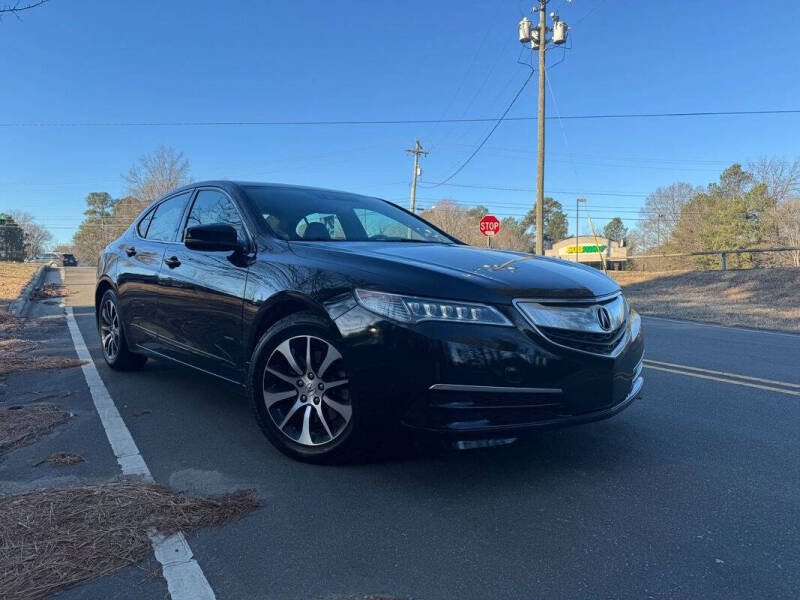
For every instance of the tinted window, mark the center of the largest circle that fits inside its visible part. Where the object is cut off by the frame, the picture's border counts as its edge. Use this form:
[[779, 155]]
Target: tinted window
[[165, 220], [306, 228], [212, 206], [142, 226], [323, 215]]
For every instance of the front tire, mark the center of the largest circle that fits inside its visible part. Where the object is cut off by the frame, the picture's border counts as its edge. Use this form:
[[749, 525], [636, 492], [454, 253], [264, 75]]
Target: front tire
[[112, 337], [300, 392]]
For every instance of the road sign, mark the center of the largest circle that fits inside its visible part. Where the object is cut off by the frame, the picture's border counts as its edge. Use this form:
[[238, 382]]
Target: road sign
[[489, 226]]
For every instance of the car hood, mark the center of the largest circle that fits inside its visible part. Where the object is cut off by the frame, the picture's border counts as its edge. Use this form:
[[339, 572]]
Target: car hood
[[463, 272]]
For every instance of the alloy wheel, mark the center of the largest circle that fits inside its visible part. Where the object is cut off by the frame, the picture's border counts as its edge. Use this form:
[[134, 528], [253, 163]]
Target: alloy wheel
[[109, 329], [306, 390]]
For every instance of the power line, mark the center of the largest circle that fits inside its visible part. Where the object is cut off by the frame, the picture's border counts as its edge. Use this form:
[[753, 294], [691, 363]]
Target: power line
[[98, 124]]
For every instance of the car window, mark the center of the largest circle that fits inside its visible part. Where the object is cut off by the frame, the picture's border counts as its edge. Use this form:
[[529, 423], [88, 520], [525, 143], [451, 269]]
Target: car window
[[307, 214], [380, 226], [213, 206], [141, 228], [165, 220], [320, 226]]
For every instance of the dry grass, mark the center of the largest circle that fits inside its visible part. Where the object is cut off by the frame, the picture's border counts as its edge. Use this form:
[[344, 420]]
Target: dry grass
[[23, 425], [762, 298], [13, 277], [56, 538]]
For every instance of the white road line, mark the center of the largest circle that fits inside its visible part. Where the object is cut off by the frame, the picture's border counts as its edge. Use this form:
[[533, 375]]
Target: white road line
[[712, 378], [648, 361], [185, 578]]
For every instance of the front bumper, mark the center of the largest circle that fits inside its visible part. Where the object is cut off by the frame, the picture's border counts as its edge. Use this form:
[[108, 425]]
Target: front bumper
[[474, 381]]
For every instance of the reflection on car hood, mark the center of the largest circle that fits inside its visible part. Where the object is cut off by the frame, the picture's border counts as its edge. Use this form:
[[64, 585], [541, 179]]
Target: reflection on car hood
[[512, 274]]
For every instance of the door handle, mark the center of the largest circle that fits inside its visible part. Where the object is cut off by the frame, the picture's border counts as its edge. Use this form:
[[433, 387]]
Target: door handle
[[130, 251], [172, 262]]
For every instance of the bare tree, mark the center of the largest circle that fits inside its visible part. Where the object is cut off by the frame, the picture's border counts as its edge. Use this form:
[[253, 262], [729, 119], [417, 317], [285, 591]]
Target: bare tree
[[156, 174], [36, 236], [782, 177], [788, 226], [15, 8], [661, 211]]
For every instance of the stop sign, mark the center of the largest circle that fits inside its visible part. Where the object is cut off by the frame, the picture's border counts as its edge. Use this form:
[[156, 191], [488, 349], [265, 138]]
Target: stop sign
[[489, 226]]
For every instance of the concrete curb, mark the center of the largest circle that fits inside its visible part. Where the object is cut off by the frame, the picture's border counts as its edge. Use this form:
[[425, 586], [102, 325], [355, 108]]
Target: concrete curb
[[19, 306]]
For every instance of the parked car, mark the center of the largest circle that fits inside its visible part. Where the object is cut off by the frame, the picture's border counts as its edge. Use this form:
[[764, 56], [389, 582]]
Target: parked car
[[69, 260], [50, 258], [345, 316]]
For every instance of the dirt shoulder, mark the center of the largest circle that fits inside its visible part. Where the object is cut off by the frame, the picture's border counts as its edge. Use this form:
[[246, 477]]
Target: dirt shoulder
[[13, 277], [761, 298]]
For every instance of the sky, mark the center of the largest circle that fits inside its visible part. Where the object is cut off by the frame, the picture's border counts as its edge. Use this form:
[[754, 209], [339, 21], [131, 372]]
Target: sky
[[97, 61]]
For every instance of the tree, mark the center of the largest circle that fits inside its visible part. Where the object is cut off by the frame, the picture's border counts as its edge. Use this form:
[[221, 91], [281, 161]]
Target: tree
[[734, 213], [97, 229], [12, 239], [781, 177], [156, 174], [787, 217], [615, 230], [36, 236], [17, 7], [555, 221]]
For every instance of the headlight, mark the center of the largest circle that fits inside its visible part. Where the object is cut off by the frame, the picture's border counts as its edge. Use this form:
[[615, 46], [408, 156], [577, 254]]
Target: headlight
[[411, 309]]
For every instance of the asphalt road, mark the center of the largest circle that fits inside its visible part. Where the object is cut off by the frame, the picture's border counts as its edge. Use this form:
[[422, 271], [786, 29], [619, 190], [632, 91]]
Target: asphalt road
[[691, 492]]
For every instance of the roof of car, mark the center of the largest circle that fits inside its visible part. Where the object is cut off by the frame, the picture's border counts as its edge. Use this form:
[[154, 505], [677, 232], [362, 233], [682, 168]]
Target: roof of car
[[229, 184]]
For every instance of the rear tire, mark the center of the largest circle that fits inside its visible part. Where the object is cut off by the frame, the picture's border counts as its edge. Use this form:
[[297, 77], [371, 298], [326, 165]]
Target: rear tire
[[300, 392], [112, 336]]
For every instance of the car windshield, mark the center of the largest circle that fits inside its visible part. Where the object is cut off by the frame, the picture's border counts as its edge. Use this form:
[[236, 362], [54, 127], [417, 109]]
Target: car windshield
[[302, 214]]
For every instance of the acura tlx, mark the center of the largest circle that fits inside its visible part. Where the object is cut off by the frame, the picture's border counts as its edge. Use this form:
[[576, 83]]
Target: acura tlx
[[346, 317]]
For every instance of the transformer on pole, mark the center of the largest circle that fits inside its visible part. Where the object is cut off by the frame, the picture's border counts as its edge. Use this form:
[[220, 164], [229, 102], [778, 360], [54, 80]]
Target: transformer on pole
[[537, 37]]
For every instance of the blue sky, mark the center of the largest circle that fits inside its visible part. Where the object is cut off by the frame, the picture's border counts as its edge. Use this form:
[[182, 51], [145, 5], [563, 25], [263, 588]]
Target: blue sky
[[96, 61]]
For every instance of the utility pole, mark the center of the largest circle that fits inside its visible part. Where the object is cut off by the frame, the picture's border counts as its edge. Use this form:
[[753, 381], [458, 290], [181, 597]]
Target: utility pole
[[416, 151], [538, 40], [577, 224]]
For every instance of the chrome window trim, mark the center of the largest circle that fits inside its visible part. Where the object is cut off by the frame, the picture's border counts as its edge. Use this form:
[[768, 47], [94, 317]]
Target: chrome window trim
[[153, 207], [623, 342]]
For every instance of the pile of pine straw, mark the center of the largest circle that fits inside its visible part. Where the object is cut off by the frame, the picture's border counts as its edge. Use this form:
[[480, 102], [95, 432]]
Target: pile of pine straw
[[51, 290], [23, 425], [16, 352], [56, 538]]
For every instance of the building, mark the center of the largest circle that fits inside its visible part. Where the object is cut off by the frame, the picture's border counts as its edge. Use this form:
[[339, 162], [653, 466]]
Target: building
[[586, 251]]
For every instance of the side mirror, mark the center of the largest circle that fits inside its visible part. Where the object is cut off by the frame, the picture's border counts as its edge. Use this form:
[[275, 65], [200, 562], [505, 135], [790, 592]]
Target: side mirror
[[214, 237]]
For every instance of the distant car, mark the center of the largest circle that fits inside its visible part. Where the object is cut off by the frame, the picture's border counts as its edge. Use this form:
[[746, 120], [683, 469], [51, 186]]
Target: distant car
[[345, 316], [68, 260], [49, 258]]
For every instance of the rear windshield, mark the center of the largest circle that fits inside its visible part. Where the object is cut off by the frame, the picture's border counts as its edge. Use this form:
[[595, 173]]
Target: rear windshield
[[68, 255], [326, 216]]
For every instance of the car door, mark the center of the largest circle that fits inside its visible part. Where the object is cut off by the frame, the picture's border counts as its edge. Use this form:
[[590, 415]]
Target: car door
[[141, 256], [201, 298]]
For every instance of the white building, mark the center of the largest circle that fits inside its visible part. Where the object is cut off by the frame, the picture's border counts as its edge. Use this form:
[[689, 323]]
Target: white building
[[586, 251]]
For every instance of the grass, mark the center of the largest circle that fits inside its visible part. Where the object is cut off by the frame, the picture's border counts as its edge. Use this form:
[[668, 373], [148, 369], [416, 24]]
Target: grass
[[761, 298], [13, 277]]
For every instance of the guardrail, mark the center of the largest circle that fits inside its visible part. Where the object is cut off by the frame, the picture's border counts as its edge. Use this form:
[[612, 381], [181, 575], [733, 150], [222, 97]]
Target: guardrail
[[723, 254]]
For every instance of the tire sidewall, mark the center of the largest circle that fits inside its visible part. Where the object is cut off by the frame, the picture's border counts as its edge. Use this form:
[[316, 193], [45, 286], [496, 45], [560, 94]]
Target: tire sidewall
[[295, 325]]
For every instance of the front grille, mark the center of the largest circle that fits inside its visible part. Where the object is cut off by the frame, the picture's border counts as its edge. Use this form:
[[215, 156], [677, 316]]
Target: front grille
[[597, 343]]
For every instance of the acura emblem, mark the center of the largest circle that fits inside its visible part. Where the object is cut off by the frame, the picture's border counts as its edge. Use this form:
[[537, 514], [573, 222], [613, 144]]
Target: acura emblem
[[604, 318]]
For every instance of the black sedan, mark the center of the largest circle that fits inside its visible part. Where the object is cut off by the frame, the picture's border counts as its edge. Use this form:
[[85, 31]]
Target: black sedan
[[346, 317]]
